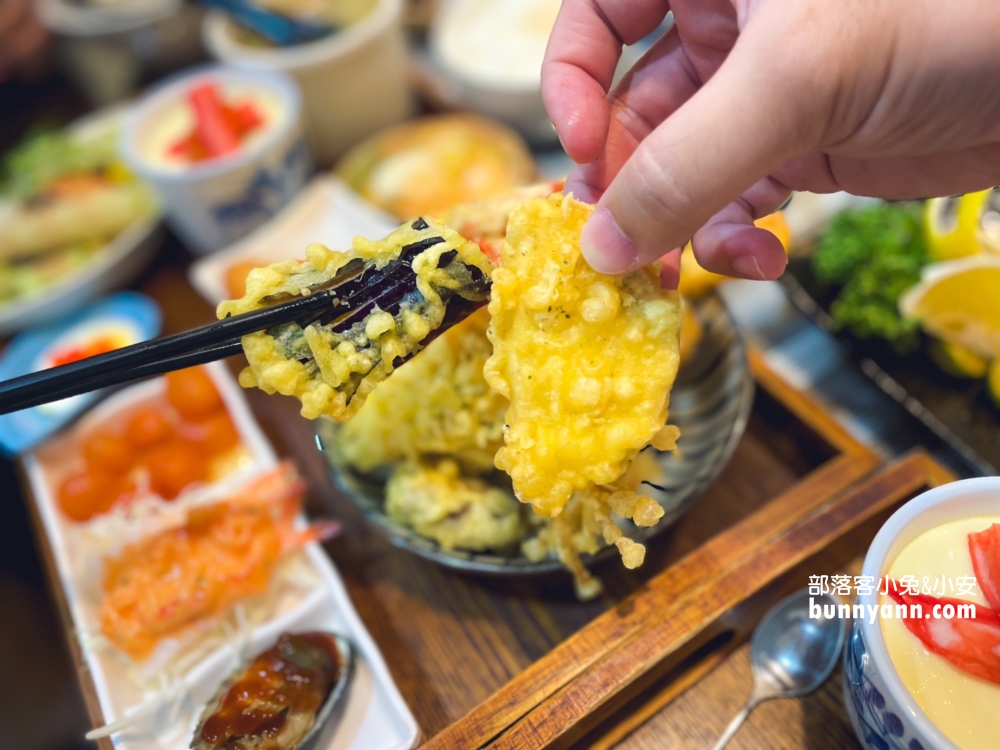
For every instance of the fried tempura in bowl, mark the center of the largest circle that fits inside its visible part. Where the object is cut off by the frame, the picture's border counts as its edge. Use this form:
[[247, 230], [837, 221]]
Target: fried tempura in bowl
[[586, 360], [560, 384], [580, 366]]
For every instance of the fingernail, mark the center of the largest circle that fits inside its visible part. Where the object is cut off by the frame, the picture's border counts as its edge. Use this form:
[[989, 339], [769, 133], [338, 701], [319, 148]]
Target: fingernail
[[562, 143], [605, 246], [748, 267]]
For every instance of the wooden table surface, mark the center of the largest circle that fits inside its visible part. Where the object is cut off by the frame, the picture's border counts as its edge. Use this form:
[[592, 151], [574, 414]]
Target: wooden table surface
[[452, 640]]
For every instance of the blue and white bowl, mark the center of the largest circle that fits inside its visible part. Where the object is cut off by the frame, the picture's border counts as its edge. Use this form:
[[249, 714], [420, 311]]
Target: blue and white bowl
[[214, 203], [883, 712]]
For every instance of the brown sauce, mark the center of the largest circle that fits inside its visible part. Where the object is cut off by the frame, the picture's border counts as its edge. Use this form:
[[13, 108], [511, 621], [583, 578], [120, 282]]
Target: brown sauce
[[294, 676]]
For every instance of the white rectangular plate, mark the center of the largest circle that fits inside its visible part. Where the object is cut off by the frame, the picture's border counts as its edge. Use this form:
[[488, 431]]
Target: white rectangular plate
[[326, 211], [375, 716]]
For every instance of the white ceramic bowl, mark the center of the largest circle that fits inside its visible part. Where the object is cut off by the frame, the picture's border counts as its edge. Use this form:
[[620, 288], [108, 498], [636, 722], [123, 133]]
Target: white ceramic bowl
[[515, 100], [214, 203], [882, 710], [354, 82], [326, 211]]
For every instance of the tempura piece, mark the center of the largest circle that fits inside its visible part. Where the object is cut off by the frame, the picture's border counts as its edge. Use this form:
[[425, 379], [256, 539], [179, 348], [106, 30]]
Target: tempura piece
[[455, 511], [92, 211], [438, 405], [485, 223], [331, 371], [223, 553], [586, 524], [586, 360]]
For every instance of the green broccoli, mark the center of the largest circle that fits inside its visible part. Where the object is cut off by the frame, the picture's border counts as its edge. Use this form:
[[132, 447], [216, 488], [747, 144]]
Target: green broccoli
[[875, 254]]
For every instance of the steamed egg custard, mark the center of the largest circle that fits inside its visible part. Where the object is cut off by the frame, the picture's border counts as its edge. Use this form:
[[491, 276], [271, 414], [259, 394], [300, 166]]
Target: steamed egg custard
[[961, 704], [586, 360], [331, 368]]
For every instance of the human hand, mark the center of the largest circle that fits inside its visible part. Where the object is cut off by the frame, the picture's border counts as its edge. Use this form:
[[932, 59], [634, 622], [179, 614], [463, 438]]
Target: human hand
[[22, 37], [743, 101]]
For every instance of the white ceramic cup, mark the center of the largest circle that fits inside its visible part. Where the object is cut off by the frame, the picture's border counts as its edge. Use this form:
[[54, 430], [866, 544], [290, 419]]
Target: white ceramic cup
[[516, 101], [354, 82], [212, 204], [882, 710]]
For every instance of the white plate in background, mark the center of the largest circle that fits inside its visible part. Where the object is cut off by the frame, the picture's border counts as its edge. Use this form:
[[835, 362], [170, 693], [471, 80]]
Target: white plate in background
[[375, 715], [112, 267], [325, 211]]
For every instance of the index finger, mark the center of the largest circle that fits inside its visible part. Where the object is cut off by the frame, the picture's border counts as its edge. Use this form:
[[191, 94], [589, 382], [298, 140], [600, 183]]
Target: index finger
[[580, 62]]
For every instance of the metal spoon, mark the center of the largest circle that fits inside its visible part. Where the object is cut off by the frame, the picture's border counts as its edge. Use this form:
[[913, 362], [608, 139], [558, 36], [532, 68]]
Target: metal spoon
[[791, 654]]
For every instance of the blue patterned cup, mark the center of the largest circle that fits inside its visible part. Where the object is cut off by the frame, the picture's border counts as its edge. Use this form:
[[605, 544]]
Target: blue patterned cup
[[213, 203], [882, 710]]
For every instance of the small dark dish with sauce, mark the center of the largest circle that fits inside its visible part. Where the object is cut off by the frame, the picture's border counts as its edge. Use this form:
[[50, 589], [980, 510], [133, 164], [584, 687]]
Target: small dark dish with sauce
[[281, 699]]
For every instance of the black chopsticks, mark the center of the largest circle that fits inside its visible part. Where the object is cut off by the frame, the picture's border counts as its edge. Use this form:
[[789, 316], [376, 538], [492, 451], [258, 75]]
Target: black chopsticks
[[340, 303], [150, 358]]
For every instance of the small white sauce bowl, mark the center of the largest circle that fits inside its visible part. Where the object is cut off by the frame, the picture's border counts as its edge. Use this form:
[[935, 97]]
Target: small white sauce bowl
[[884, 714]]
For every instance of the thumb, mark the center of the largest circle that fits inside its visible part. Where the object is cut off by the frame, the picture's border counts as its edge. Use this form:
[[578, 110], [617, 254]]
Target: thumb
[[744, 123]]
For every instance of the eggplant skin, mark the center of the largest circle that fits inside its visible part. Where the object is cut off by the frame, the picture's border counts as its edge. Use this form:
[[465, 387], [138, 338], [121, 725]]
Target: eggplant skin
[[312, 654]]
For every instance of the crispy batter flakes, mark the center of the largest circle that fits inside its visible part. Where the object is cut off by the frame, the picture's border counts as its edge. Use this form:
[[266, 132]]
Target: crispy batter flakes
[[332, 371], [586, 360]]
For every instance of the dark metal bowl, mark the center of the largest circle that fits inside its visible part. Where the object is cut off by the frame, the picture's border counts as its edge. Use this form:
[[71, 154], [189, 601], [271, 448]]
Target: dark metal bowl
[[710, 404]]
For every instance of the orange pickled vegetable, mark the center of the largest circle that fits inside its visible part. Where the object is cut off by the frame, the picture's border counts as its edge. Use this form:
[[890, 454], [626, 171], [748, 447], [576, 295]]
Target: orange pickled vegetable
[[173, 466], [82, 495], [173, 440], [105, 450], [147, 427], [214, 436], [222, 554], [193, 394], [236, 277]]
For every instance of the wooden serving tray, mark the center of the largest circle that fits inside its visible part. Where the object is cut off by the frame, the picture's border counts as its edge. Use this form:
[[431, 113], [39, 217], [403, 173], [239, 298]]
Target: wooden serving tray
[[519, 663]]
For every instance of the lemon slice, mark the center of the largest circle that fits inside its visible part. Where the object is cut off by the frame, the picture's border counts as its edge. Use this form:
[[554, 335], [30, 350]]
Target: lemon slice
[[958, 361], [988, 222], [959, 301], [950, 224]]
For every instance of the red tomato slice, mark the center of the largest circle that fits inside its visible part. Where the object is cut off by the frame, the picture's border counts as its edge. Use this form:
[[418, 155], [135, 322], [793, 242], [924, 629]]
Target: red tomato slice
[[985, 549], [213, 127], [248, 116], [972, 645]]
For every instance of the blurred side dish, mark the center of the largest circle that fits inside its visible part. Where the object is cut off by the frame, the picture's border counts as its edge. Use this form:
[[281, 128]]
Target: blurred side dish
[[899, 270], [62, 199], [436, 163]]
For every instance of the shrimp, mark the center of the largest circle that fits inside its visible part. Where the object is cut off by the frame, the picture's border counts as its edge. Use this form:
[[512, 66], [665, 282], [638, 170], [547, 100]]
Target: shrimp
[[220, 555]]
